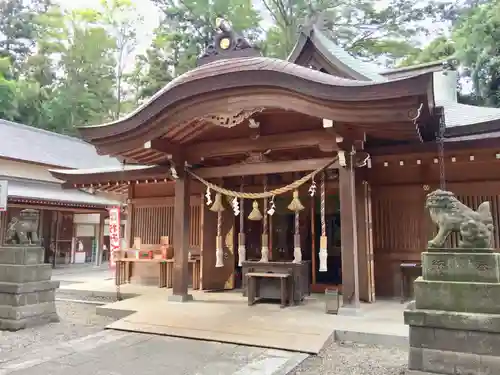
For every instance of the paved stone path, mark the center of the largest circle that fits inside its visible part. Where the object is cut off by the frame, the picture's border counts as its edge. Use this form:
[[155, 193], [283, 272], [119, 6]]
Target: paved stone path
[[124, 353]]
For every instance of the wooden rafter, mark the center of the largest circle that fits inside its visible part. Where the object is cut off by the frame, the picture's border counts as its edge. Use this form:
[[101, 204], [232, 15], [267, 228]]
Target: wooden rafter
[[205, 150], [263, 168]]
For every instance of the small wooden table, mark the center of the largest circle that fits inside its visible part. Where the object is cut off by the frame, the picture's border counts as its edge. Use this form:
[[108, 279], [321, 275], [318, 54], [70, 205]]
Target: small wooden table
[[196, 268], [285, 284], [124, 270]]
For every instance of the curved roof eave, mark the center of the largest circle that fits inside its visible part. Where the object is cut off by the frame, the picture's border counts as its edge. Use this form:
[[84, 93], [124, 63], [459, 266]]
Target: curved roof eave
[[259, 72]]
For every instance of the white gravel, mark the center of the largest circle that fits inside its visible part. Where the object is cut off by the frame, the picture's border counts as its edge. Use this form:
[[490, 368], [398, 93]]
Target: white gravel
[[77, 320], [354, 359]]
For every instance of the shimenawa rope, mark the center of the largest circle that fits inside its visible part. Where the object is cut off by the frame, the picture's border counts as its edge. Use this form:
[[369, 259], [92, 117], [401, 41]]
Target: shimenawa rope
[[267, 194]]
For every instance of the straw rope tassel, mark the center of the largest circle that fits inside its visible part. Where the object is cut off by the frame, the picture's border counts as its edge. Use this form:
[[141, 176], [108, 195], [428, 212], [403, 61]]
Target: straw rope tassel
[[323, 240], [219, 253], [242, 251], [297, 251], [264, 252]]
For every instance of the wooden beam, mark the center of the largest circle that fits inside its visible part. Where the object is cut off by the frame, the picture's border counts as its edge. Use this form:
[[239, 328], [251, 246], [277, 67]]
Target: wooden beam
[[163, 145], [296, 140], [264, 168]]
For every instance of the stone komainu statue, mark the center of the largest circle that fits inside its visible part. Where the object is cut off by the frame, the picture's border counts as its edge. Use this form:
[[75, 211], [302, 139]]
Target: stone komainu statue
[[23, 230], [451, 215]]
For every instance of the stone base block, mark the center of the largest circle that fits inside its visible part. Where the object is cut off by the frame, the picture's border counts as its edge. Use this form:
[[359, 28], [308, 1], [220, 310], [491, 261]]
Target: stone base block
[[452, 363], [16, 325], [453, 320], [23, 299], [461, 267], [27, 311], [455, 341], [457, 296], [21, 255], [17, 288], [14, 273]]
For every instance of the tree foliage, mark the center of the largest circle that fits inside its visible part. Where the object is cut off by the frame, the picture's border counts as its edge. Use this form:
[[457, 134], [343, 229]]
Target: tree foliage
[[61, 68]]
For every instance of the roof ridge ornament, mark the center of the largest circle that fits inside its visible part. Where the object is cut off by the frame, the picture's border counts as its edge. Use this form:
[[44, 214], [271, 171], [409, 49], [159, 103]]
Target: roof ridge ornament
[[227, 44]]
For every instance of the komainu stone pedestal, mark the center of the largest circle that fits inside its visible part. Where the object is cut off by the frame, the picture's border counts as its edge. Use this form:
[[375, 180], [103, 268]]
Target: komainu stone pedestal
[[455, 318], [27, 295]]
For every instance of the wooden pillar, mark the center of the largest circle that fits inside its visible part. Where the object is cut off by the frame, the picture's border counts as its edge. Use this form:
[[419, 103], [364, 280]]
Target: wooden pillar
[[365, 242], [348, 239], [181, 239]]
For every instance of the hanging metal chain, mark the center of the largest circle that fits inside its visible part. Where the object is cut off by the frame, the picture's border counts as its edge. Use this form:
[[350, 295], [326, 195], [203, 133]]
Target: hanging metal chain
[[440, 142], [323, 221], [242, 207], [264, 219]]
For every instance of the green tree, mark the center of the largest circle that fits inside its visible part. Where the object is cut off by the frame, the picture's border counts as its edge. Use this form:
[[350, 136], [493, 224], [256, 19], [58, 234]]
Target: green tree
[[8, 100], [38, 79], [186, 29], [17, 31], [85, 92], [441, 48], [121, 18], [362, 27], [154, 69], [477, 43]]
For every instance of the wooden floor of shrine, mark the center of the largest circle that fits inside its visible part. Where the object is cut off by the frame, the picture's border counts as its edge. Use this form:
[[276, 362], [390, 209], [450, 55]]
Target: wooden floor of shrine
[[226, 317]]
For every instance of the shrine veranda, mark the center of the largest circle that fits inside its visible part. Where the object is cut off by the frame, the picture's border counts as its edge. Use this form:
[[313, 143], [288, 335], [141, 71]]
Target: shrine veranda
[[319, 160]]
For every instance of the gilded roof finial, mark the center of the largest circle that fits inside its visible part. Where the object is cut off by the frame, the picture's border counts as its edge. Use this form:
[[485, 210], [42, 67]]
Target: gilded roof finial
[[222, 24]]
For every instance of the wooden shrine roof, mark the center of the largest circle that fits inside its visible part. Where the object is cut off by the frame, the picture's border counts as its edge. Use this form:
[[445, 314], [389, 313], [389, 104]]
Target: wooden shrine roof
[[334, 54], [35, 145], [252, 84], [112, 179]]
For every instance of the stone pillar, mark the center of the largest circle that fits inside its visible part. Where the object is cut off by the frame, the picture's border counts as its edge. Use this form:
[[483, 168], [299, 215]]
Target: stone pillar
[[181, 239], [455, 318], [348, 242], [27, 295]]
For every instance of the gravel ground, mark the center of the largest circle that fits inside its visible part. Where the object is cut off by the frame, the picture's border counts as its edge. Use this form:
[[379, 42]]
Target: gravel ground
[[77, 320], [339, 358]]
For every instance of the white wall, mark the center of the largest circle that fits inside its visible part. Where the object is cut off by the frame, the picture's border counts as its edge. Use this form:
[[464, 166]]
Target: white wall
[[20, 169], [86, 218], [85, 230]]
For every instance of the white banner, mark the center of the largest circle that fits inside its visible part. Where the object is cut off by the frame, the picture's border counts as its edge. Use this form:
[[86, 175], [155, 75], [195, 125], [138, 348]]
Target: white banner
[[3, 195], [114, 235]]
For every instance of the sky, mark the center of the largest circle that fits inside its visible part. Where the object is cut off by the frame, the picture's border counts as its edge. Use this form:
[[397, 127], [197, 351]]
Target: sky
[[145, 8]]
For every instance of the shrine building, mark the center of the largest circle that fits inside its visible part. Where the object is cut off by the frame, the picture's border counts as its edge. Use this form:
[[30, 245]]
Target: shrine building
[[320, 160]]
